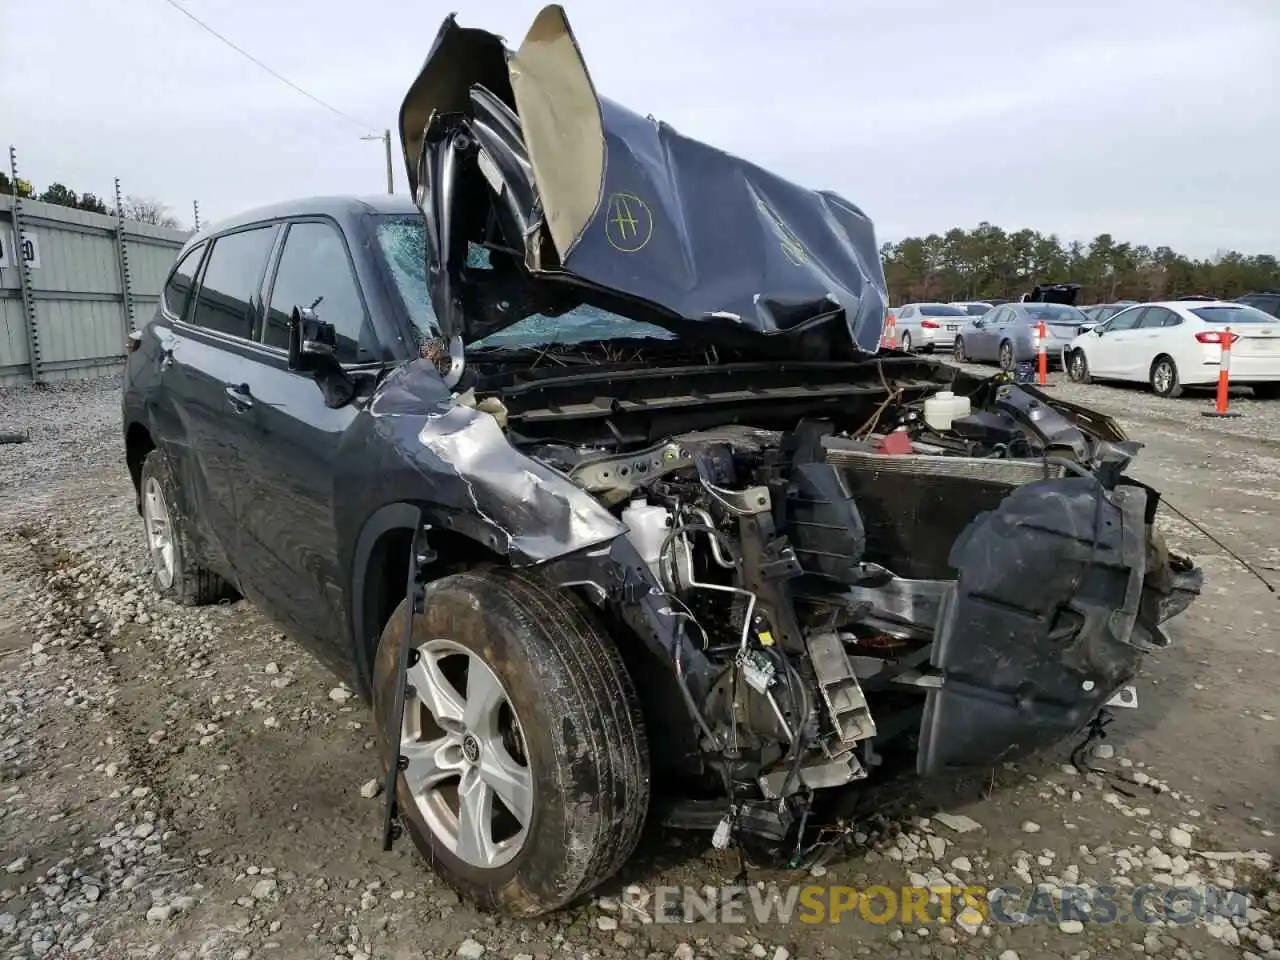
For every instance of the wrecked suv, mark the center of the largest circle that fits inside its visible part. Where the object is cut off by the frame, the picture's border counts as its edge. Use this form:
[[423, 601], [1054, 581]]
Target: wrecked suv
[[585, 470]]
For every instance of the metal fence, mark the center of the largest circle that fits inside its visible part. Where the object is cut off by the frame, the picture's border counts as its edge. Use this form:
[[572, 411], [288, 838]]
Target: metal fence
[[73, 285]]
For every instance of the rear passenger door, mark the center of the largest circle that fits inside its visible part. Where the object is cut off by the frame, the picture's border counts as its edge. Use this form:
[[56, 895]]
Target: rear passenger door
[[288, 561], [1147, 341], [201, 360]]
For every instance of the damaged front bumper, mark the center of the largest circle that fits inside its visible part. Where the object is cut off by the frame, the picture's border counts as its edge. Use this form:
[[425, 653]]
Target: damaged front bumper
[[1048, 621]]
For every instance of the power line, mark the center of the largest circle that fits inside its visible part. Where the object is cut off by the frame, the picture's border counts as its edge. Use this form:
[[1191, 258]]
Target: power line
[[283, 79]]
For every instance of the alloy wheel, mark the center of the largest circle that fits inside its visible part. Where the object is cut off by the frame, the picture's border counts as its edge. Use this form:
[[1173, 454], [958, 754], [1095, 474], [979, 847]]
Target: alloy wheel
[[467, 769], [159, 531]]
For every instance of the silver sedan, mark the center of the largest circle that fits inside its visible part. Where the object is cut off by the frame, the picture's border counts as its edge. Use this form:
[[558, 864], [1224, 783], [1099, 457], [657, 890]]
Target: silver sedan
[[926, 326], [1007, 334]]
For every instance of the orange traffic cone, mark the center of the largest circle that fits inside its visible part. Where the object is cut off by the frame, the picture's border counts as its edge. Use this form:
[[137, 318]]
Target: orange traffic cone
[[1224, 379]]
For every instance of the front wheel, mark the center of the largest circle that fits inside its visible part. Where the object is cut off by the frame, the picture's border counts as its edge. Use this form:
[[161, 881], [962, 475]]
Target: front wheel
[[1164, 378], [1078, 367], [957, 351], [1266, 391], [525, 776]]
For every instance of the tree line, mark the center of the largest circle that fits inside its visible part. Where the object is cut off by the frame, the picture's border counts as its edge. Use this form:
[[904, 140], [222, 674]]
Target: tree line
[[140, 209], [989, 262]]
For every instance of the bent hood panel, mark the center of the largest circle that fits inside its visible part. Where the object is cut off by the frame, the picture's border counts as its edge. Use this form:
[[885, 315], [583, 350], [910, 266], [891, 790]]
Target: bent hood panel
[[700, 232], [634, 207]]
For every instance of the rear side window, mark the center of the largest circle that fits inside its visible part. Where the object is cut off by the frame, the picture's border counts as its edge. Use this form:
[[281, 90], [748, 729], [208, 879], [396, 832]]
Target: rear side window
[[177, 291], [940, 310], [229, 289], [315, 271]]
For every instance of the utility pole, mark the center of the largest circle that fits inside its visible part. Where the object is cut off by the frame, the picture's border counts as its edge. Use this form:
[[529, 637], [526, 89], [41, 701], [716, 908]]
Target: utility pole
[[386, 142]]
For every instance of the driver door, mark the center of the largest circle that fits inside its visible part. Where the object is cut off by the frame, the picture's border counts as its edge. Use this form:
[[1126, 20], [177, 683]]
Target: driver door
[[1108, 355], [289, 557]]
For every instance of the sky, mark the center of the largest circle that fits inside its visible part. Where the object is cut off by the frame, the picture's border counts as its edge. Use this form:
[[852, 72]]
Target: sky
[[1157, 121]]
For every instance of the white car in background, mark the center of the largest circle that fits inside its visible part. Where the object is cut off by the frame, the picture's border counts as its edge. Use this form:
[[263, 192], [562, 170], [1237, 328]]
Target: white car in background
[[1178, 343]]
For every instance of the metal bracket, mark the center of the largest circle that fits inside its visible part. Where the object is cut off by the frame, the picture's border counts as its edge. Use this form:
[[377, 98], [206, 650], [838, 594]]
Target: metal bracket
[[420, 555]]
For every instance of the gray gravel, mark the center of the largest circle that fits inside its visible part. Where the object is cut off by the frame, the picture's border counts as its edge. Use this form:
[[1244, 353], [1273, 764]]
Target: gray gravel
[[187, 783]]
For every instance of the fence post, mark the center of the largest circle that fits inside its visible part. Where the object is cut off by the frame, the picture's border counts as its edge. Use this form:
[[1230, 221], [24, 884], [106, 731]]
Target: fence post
[[122, 258], [34, 357]]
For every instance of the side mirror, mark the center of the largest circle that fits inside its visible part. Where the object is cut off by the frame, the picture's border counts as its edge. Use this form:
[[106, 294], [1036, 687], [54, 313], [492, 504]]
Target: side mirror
[[313, 348], [311, 340]]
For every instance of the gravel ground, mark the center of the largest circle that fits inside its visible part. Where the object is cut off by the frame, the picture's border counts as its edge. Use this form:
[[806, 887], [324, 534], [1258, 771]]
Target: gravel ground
[[187, 783]]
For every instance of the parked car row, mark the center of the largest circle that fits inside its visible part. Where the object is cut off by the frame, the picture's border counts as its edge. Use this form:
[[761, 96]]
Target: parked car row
[[1170, 345]]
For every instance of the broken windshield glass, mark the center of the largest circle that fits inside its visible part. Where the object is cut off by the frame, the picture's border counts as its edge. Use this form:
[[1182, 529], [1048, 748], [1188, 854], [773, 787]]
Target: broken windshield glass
[[402, 244]]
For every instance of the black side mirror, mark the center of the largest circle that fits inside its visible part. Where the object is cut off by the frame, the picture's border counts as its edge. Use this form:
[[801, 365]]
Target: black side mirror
[[311, 340], [313, 348]]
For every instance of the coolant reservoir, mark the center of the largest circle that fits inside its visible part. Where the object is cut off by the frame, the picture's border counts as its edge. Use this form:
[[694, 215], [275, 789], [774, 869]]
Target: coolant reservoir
[[943, 407], [647, 528]]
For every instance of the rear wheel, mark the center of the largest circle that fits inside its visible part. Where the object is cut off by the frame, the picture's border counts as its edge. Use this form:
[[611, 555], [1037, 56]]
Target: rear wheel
[[1266, 391], [1007, 362], [1078, 367], [906, 343], [175, 573], [527, 780], [1164, 378]]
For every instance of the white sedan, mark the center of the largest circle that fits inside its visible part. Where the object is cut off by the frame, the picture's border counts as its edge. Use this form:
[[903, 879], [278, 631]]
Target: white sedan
[[1178, 343]]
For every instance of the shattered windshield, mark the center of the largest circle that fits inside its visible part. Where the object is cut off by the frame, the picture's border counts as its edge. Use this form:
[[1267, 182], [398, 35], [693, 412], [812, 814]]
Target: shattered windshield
[[402, 244]]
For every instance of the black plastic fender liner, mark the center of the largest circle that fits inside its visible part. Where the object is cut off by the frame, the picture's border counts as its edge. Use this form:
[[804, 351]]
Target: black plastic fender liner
[[1035, 635]]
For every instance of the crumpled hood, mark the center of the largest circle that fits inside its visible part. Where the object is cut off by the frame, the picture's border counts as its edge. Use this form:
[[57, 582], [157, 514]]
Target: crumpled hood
[[613, 202]]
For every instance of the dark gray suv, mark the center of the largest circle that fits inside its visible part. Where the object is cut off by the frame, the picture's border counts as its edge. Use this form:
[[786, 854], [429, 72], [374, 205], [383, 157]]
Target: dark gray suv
[[588, 473]]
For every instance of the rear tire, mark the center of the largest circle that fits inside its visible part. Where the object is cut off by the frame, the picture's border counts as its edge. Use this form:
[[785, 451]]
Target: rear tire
[[1164, 378], [585, 755], [1007, 362], [906, 343], [175, 574], [1266, 391], [1078, 367]]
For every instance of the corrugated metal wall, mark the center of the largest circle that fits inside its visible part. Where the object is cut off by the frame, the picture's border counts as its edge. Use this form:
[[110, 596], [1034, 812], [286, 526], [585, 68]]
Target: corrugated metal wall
[[77, 293]]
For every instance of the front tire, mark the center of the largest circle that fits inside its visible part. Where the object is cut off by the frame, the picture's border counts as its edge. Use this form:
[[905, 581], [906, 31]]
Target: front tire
[[1078, 367], [1266, 391], [957, 351], [551, 734], [1164, 378], [175, 573]]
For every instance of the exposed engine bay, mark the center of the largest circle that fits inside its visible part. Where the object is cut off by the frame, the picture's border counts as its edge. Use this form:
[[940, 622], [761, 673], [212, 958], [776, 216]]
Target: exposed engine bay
[[815, 557], [930, 566]]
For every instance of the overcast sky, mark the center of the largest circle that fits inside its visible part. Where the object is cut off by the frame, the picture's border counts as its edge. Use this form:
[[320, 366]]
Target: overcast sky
[[1155, 121]]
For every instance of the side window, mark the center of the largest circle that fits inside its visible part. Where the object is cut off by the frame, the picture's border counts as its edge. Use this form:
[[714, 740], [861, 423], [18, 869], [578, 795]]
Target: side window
[[177, 289], [314, 269], [229, 289], [1126, 319], [1156, 317]]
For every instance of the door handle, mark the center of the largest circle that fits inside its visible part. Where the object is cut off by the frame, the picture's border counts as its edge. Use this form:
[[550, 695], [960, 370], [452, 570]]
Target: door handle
[[241, 399]]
